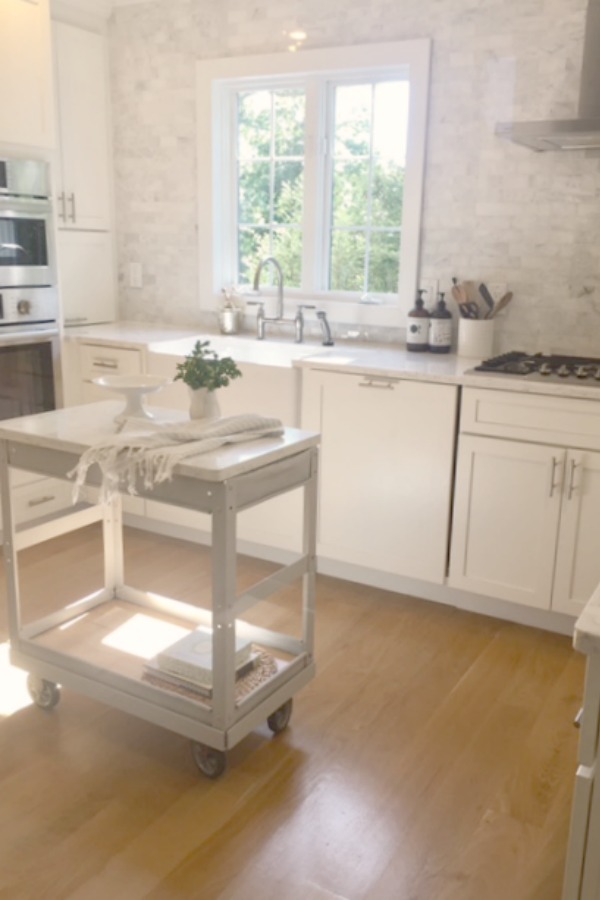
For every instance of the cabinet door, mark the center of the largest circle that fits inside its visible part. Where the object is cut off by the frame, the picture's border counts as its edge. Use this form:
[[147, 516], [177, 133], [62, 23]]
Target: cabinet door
[[86, 277], [26, 109], [82, 101], [386, 470], [578, 560], [506, 515]]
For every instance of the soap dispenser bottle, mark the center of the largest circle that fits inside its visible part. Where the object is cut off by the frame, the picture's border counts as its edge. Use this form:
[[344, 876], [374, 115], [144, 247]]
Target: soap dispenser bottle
[[440, 327], [417, 325]]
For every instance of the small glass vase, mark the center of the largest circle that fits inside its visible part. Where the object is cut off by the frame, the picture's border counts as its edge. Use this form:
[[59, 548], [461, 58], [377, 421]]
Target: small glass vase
[[204, 404]]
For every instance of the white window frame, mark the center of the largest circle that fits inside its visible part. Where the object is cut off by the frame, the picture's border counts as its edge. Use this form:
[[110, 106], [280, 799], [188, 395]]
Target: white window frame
[[216, 79]]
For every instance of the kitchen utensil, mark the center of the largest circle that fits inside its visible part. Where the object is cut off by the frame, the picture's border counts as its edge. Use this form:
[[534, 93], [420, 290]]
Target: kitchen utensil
[[502, 303], [488, 299], [466, 309]]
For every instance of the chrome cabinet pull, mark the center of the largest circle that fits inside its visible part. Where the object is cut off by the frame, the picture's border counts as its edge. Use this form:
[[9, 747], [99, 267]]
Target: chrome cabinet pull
[[72, 202], [371, 383], [63, 207], [105, 364], [553, 483], [572, 486], [41, 500]]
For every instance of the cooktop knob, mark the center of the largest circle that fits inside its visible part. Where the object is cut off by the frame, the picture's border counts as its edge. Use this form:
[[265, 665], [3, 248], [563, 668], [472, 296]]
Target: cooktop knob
[[596, 373], [563, 371], [582, 371], [545, 369], [24, 307]]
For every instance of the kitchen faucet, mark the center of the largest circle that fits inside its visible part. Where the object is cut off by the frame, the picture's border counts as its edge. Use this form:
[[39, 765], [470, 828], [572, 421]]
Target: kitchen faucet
[[261, 319], [297, 321]]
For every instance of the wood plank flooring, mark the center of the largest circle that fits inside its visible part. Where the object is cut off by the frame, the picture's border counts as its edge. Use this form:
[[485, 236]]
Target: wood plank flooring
[[432, 758]]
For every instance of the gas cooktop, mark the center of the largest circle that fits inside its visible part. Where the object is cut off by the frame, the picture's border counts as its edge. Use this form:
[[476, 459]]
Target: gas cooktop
[[539, 366]]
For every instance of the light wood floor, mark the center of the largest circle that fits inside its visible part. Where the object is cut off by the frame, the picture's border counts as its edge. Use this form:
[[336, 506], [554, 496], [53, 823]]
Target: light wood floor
[[431, 759]]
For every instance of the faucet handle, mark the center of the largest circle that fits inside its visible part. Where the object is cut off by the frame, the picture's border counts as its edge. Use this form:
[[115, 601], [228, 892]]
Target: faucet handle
[[302, 306]]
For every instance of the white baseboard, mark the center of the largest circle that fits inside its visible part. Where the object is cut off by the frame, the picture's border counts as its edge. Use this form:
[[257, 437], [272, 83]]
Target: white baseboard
[[437, 593]]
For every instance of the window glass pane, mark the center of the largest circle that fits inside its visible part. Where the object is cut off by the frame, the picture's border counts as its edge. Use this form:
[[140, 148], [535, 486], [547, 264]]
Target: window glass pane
[[350, 193], [387, 191], [384, 259], [289, 107], [352, 120], [390, 121], [254, 124], [347, 267], [253, 245], [287, 248], [254, 197], [367, 183], [270, 171], [288, 187]]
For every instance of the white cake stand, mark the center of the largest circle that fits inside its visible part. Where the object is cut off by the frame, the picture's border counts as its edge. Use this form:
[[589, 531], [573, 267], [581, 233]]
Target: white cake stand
[[134, 388]]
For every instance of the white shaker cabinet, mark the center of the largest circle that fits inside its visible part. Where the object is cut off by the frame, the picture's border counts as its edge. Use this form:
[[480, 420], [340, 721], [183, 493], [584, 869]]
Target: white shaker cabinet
[[83, 176], [387, 457], [26, 107], [527, 499], [86, 272]]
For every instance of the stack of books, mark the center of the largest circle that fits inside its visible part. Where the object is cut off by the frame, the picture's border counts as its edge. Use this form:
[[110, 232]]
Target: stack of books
[[187, 664]]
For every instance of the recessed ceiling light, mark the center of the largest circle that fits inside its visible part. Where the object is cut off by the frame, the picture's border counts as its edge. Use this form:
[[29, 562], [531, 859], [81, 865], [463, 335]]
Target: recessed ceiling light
[[298, 35]]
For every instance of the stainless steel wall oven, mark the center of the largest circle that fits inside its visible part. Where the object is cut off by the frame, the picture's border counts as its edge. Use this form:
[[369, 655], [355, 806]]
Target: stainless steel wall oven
[[29, 333]]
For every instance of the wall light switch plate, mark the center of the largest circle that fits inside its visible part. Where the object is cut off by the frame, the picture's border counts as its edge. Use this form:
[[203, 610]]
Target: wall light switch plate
[[135, 275]]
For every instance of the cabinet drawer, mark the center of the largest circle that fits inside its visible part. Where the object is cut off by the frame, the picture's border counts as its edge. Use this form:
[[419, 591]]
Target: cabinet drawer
[[41, 498], [531, 417], [97, 360]]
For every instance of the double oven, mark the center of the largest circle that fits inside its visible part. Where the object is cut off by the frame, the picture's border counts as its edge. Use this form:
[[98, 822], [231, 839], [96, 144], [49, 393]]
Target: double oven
[[29, 331]]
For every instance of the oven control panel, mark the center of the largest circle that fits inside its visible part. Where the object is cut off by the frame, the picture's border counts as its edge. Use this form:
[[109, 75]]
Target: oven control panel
[[27, 305]]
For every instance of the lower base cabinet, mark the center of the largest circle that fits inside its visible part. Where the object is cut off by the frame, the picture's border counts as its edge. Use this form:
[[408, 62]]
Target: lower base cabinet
[[527, 513], [387, 457]]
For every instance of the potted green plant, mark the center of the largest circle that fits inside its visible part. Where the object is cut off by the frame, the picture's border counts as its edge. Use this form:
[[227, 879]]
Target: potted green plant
[[204, 372]]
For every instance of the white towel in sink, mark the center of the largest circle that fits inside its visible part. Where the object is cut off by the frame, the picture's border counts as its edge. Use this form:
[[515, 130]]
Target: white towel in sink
[[151, 452]]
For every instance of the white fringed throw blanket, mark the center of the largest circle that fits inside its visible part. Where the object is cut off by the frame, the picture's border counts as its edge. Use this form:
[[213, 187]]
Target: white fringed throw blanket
[[151, 452]]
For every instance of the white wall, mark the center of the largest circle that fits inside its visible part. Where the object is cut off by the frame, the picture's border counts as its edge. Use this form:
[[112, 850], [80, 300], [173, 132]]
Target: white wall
[[493, 211]]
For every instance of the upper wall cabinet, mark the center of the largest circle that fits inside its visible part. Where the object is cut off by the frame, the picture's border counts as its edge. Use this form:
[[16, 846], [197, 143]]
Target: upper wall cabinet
[[83, 176], [26, 113]]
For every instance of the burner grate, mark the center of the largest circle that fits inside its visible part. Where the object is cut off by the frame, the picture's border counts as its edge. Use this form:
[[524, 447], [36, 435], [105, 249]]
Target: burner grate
[[518, 363]]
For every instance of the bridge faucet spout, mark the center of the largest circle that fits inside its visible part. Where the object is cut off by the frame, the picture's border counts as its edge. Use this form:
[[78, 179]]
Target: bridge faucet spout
[[277, 267]]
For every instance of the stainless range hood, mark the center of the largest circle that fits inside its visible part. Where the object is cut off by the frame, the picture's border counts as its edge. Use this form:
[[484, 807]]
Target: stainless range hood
[[582, 133]]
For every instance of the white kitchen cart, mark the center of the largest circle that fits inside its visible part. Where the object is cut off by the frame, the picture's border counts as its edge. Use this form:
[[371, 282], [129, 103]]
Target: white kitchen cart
[[73, 647]]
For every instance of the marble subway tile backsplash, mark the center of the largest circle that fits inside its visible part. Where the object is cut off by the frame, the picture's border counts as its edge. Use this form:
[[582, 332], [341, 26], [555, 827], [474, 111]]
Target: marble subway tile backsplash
[[492, 211]]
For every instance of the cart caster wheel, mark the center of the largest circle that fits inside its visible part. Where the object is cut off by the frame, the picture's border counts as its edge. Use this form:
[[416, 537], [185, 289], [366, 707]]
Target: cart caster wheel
[[44, 694], [211, 762], [279, 720]]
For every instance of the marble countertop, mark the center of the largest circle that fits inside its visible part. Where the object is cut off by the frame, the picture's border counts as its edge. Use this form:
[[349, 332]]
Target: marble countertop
[[382, 360], [586, 637], [73, 429]]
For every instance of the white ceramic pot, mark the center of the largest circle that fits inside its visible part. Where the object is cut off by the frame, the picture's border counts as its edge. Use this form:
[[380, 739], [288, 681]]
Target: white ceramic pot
[[204, 404]]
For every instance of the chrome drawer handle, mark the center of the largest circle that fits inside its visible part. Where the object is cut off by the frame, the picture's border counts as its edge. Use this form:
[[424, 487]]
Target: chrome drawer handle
[[105, 364], [74, 320], [385, 385], [63, 209], [41, 500], [72, 202]]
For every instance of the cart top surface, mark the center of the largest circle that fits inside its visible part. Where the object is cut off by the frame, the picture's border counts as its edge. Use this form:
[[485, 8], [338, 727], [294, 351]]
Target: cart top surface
[[75, 429]]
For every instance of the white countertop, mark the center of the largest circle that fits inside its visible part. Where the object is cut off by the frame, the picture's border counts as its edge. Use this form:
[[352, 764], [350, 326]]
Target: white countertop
[[586, 637], [383, 360], [74, 429]]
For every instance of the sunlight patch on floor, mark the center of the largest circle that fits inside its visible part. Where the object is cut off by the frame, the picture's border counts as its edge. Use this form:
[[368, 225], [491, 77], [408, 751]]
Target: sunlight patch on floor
[[144, 636], [13, 686]]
